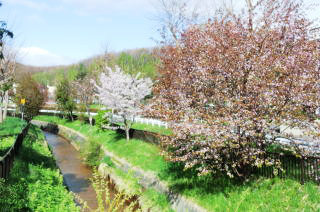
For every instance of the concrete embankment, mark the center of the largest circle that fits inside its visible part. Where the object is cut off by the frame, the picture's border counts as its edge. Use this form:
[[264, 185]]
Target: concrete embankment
[[146, 179]]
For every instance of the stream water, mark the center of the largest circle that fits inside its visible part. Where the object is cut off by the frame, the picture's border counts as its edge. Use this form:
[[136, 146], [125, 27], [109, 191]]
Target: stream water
[[75, 173]]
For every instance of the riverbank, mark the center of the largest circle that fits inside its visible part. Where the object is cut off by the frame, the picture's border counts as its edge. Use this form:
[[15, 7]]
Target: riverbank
[[35, 183], [148, 198]]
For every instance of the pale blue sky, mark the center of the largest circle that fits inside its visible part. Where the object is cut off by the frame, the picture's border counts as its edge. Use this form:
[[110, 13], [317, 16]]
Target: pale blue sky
[[58, 32], [51, 32]]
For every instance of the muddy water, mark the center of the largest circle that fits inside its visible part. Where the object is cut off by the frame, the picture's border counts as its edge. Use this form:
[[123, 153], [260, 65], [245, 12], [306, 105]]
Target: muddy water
[[75, 173]]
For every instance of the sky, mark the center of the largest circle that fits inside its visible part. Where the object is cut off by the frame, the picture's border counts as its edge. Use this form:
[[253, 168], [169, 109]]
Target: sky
[[56, 32], [62, 32]]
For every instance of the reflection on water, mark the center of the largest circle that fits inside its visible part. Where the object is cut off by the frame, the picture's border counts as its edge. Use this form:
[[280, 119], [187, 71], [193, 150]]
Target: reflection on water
[[76, 174]]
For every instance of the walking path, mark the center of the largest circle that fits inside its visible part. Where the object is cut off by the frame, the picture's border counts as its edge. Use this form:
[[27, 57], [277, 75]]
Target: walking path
[[76, 174]]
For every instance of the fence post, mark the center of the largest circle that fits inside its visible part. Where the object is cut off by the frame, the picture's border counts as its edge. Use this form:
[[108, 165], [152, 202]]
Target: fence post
[[7, 167], [1, 168], [7, 162], [302, 170]]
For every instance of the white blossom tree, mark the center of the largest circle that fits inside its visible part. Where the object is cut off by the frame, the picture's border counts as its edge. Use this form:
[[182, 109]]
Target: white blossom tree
[[7, 65], [123, 92], [7, 69]]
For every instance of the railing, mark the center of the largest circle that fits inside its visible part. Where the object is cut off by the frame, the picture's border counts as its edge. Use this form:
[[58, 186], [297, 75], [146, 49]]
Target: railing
[[298, 168], [137, 119], [115, 117], [6, 162]]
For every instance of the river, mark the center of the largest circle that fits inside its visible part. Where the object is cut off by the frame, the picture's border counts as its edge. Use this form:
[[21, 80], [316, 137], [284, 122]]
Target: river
[[75, 173]]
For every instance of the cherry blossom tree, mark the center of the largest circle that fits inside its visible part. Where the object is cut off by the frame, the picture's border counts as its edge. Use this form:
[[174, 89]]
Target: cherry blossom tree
[[7, 66], [231, 80], [7, 69], [85, 93], [123, 93]]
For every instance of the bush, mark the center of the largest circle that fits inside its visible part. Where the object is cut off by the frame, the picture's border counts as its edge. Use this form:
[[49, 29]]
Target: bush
[[81, 115], [64, 98], [29, 90], [91, 152], [101, 120]]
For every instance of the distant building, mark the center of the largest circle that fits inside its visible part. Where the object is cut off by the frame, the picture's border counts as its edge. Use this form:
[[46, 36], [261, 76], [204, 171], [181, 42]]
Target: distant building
[[51, 93]]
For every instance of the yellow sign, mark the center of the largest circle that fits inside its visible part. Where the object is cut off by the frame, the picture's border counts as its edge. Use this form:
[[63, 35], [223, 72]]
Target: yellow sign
[[23, 101]]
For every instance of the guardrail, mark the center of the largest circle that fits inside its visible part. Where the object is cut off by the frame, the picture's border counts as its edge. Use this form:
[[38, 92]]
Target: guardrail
[[115, 117], [6, 162], [137, 119]]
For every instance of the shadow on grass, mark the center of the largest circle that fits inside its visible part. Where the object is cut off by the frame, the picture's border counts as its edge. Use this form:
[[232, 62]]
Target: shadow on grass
[[181, 180], [23, 173], [3, 152], [115, 136], [187, 181], [30, 155]]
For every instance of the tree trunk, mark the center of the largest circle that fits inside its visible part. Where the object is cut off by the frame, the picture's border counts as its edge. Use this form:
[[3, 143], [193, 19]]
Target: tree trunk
[[89, 114], [6, 102], [127, 133], [126, 127], [1, 119]]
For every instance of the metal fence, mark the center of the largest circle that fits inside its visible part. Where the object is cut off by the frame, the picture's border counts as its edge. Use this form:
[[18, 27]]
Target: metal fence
[[6, 162], [298, 168]]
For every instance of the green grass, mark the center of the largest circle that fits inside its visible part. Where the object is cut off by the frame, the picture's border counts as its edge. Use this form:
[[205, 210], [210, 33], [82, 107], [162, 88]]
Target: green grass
[[96, 106], [11, 126], [150, 128], [35, 184], [138, 152], [215, 193], [151, 198], [5, 144]]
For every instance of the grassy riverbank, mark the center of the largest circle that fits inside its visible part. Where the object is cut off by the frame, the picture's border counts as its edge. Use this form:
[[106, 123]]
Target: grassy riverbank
[[211, 192], [35, 184], [9, 129], [5, 144], [11, 126]]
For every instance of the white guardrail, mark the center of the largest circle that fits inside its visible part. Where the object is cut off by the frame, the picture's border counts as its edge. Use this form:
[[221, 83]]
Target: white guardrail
[[139, 119], [135, 119], [295, 140]]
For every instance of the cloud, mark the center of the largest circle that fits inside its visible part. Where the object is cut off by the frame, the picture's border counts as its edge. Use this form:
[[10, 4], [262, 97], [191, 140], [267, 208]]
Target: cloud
[[103, 6], [36, 19], [40, 57], [31, 4]]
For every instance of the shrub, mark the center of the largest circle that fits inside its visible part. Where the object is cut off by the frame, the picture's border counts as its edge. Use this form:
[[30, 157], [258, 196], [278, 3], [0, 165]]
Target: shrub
[[64, 98], [91, 152], [101, 119], [29, 90]]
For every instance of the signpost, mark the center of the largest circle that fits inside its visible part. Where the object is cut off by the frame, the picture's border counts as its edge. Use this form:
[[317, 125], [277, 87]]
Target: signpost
[[22, 103]]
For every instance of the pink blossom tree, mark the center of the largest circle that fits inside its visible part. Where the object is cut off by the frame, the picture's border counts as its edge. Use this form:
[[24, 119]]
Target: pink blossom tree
[[231, 80], [123, 93], [85, 93]]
